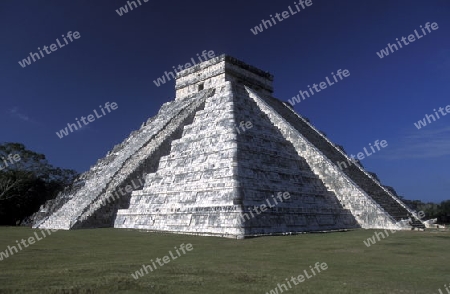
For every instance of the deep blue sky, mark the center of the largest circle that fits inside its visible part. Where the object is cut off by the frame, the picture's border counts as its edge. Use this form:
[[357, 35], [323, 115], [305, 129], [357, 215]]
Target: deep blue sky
[[118, 57]]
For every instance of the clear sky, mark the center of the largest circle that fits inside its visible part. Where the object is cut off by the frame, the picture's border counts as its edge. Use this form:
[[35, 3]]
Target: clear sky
[[116, 58]]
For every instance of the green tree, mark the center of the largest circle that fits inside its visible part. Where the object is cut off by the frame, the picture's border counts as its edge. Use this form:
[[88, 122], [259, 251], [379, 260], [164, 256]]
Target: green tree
[[27, 180]]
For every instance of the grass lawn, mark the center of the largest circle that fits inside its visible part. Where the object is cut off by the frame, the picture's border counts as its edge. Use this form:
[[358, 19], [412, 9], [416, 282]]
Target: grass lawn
[[102, 261]]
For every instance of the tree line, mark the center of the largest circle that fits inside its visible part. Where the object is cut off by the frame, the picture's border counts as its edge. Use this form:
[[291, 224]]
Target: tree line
[[440, 211], [27, 181]]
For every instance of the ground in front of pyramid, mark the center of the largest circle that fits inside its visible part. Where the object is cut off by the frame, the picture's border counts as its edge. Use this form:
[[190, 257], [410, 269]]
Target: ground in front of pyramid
[[102, 261]]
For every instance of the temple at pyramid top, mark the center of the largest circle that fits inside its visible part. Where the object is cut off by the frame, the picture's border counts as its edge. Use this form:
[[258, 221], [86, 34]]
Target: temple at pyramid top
[[227, 159], [217, 70]]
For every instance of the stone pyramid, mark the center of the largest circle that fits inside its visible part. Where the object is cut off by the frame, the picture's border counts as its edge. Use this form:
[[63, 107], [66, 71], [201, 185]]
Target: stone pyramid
[[227, 159]]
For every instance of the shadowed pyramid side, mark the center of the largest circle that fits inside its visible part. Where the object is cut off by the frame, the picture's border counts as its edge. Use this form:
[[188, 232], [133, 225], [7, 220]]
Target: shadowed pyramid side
[[145, 160], [137, 154]]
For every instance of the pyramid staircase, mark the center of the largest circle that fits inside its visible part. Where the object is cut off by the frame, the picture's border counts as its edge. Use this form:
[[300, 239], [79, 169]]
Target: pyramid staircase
[[135, 156]]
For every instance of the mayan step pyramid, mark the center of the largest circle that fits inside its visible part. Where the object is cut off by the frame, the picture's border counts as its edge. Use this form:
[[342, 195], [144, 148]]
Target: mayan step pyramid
[[227, 159]]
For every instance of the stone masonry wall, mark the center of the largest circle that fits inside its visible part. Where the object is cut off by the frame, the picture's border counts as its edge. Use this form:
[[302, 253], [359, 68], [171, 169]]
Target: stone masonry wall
[[100, 212], [365, 180], [269, 164], [193, 190], [366, 211], [106, 169]]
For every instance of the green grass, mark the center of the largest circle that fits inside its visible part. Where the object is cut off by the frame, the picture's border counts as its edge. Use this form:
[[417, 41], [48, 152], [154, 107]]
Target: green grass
[[102, 260]]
